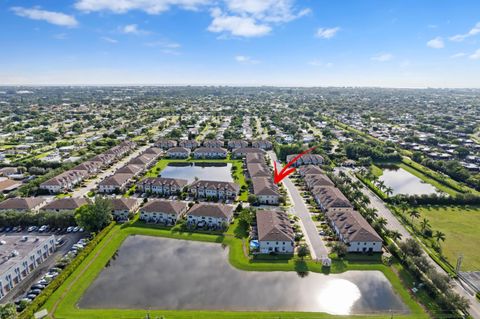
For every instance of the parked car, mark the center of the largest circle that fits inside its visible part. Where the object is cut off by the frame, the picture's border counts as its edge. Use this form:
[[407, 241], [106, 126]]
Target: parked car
[[76, 229], [38, 286], [70, 229], [42, 229], [32, 229]]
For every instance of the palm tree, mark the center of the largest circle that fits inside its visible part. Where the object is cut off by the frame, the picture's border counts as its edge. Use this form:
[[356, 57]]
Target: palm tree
[[414, 214], [395, 235], [439, 236], [381, 184], [403, 206], [424, 224], [388, 191], [381, 222]]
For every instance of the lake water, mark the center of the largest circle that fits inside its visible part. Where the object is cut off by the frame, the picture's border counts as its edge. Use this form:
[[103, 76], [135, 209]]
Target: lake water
[[161, 273], [205, 171], [403, 182]]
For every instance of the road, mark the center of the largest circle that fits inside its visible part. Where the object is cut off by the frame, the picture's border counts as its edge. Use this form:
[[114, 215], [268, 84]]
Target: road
[[394, 224], [19, 290], [300, 209]]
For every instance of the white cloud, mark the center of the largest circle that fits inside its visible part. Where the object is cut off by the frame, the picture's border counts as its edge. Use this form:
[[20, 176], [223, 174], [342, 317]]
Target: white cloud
[[133, 29], [236, 25], [52, 17], [436, 43], [326, 33], [276, 11], [458, 55], [475, 55], [165, 46], [109, 40], [460, 37], [148, 6], [382, 57], [245, 59]]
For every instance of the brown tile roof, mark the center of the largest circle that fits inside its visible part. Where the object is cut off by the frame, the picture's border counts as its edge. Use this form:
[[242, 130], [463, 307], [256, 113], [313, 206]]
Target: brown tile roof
[[353, 226], [65, 204], [330, 196], [264, 186], [164, 206], [216, 185], [124, 203], [274, 226], [116, 179], [211, 210], [18, 203]]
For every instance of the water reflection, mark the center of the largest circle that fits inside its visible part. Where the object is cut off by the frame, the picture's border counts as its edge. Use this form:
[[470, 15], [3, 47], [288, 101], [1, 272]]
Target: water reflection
[[403, 182], [206, 171], [174, 274]]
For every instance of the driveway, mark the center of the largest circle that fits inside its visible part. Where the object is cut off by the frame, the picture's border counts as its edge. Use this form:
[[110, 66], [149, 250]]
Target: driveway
[[300, 209]]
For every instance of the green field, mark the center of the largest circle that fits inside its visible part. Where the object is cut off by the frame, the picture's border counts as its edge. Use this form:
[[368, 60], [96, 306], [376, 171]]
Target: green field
[[238, 176], [461, 226], [63, 302]]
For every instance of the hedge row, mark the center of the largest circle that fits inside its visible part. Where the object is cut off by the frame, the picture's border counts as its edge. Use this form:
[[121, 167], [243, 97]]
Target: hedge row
[[57, 282]]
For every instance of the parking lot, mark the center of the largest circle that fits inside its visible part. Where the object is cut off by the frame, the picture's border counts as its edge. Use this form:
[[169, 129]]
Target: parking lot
[[46, 271]]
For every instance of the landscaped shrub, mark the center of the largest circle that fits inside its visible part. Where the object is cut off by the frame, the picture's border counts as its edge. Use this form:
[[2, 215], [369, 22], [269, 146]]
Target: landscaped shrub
[[60, 279]]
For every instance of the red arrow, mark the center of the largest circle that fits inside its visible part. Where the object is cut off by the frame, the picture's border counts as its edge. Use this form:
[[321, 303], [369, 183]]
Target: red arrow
[[277, 177]]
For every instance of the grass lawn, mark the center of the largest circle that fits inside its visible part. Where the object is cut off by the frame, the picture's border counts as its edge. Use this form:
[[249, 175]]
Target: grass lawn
[[377, 171], [461, 226], [238, 176], [63, 301]]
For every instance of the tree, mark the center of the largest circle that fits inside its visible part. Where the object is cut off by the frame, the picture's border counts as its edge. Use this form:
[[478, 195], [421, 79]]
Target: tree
[[424, 224], [8, 311], [388, 190], [382, 222], [96, 216], [303, 251], [340, 249], [410, 247], [414, 214], [439, 236], [395, 235]]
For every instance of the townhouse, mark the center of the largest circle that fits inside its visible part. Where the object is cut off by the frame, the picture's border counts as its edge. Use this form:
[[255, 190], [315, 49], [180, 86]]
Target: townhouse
[[275, 233], [115, 183], [306, 159], [163, 211], [262, 144], [354, 231], [244, 151], [330, 198], [190, 144], [210, 152], [313, 180], [178, 152], [211, 214], [213, 143], [132, 169], [258, 170], [162, 185], [309, 169], [22, 204], [255, 158], [65, 204], [265, 191], [65, 181], [214, 189], [233, 144], [123, 208], [165, 143]]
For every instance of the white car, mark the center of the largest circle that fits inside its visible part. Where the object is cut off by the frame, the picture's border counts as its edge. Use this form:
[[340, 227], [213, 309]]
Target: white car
[[70, 229]]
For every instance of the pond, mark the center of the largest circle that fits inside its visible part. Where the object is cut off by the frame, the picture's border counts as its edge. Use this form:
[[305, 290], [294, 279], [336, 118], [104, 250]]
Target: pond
[[161, 273], [220, 172], [403, 182]]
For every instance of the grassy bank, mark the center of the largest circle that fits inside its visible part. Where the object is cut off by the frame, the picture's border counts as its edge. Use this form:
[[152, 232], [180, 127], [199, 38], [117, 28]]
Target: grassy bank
[[63, 301]]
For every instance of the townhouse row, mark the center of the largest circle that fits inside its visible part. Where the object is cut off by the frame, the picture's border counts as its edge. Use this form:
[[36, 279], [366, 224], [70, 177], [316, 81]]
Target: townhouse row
[[67, 180], [231, 144], [348, 224]]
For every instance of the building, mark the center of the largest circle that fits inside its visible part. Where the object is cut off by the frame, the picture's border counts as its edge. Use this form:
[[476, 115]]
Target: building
[[123, 208], [190, 144], [163, 211], [262, 144], [165, 143], [213, 144], [275, 233], [242, 152], [22, 204], [65, 181], [233, 144], [219, 215], [115, 183], [8, 185], [210, 152], [214, 189], [255, 158], [65, 204], [258, 170], [265, 191], [313, 180], [330, 198], [309, 169], [19, 256], [162, 185], [306, 159], [133, 169], [354, 231], [178, 152]]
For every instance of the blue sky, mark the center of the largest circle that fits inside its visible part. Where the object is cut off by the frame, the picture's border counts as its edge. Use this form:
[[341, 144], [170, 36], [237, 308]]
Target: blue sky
[[397, 43]]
